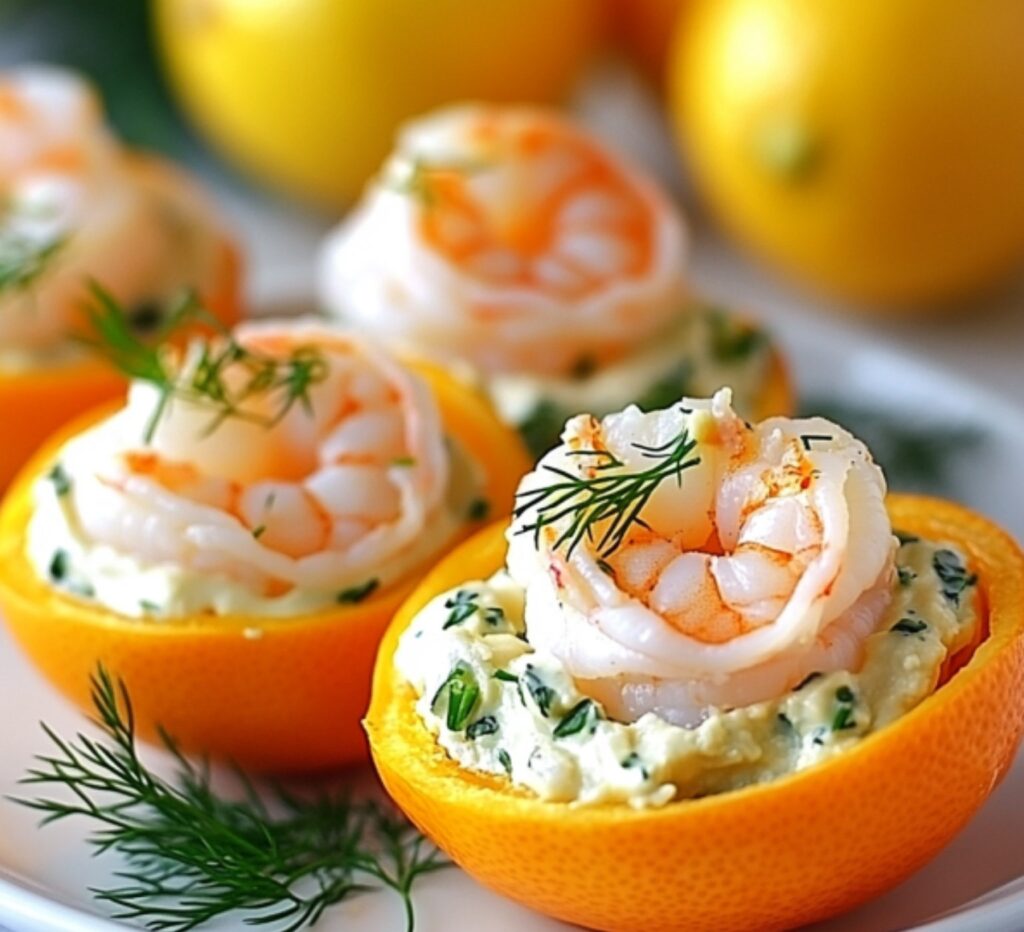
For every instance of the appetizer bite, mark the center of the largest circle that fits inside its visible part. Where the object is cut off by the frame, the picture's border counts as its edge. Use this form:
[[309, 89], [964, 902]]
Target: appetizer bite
[[233, 540], [76, 208], [709, 643], [509, 240]]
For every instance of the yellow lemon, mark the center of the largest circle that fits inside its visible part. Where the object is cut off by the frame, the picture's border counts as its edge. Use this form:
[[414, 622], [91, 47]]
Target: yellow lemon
[[874, 149], [307, 93]]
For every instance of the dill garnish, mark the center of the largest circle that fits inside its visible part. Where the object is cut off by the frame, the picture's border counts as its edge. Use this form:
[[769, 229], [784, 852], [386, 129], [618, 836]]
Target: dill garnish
[[193, 856], [223, 377], [613, 496], [23, 260]]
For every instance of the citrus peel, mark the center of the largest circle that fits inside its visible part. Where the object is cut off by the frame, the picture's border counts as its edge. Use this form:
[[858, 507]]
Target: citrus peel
[[768, 856]]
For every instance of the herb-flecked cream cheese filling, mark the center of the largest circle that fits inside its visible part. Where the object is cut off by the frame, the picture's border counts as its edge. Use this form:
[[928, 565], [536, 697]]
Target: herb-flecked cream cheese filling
[[700, 352], [499, 706]]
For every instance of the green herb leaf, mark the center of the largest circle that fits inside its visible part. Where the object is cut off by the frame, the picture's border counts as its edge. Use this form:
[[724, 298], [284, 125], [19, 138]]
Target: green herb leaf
[[575, 720], [461, 692], [494, 615], [613, 497], [462, 606], [668, 388], [733, 340], [543, 695], [59, 564], [23, 260], [505, 760], [541, 428], [356, 594], [60, 479], [505, 676], [190, 856], [909, 626], [952, 574], [488, 725], [224, 377]]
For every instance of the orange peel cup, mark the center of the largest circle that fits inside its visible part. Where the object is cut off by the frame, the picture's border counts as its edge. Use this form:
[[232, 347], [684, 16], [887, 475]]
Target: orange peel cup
[[35, 402], [770, 856], [270, 694]]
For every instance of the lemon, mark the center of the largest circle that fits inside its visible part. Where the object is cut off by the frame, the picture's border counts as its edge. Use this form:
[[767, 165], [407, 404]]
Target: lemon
[[307, 94], [874, 149]]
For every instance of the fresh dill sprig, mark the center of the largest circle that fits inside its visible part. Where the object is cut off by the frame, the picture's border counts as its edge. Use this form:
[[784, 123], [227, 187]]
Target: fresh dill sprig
[[418, 176], [224, 376], [192, 856], [613, 495], [23, 260]]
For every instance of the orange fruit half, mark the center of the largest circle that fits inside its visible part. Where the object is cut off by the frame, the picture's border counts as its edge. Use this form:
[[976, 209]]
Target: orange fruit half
[[270, 694], [769, 856]]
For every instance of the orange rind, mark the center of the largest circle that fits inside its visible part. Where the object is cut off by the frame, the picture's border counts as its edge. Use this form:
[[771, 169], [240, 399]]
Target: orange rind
[[270, 694], [769, 856]]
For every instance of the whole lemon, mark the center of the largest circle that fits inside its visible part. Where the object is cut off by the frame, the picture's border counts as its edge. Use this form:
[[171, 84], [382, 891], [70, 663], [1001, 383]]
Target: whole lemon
[[874, 148], [307, 93]]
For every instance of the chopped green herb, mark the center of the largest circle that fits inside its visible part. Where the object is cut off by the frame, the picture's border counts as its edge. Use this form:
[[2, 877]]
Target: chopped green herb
[[59, 565], [404, 461], [632, 760], [905, 538], [786, 722], [505, 676], [505, 760], [843, 718], [733, 341], [810, 678], [357, 593], [952, 574], [462, 606], [906, 575], [575, 719], [150, 608], [488, 725], [543, 695], [461, 692], [60, 479], [541, 428], [23, 260], [668, 388], [909, 626], [478, 509], [259, 531], [606, 568]]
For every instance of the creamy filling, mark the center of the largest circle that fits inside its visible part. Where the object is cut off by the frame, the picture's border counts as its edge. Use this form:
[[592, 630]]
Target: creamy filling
[[700, 353], [497, 705], [65, 556]]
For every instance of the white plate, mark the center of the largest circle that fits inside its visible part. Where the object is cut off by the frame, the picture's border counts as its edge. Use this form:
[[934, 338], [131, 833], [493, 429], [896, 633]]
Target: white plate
[[44, 873]]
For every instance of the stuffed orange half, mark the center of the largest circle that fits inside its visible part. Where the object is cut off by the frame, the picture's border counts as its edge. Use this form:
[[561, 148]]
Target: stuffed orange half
[[624, 774], [233, 541], [76, 208]]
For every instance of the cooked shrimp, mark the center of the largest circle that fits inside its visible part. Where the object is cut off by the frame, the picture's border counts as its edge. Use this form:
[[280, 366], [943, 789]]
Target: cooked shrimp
[[509, 238], [325, 495], [713, 564], [74, 207]]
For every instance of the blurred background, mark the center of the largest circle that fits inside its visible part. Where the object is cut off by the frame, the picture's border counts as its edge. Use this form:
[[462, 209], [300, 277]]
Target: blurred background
[[852, 172]]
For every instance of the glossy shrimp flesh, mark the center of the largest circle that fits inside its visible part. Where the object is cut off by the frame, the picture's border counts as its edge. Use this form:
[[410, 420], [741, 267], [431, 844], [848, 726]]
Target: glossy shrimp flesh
[[74, 207], [333, 493], [510, 238], [744, 558]]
